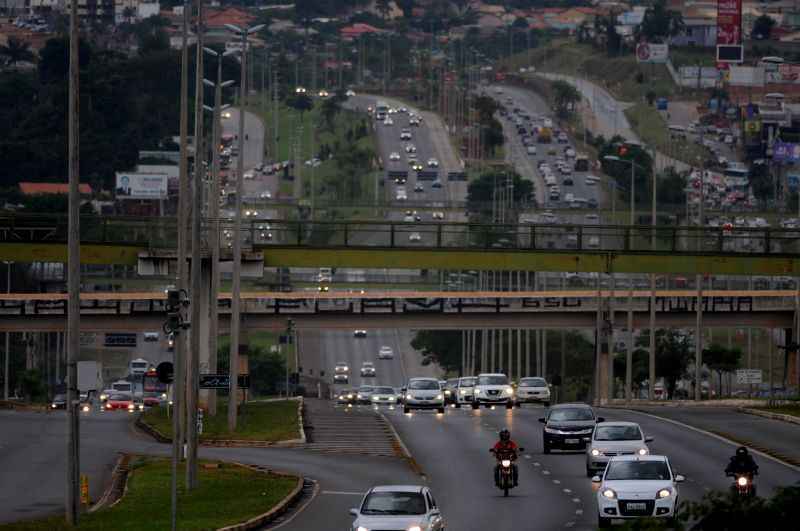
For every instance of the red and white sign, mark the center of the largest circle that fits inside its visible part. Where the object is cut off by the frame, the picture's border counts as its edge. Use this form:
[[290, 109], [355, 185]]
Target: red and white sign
[[729, 22]]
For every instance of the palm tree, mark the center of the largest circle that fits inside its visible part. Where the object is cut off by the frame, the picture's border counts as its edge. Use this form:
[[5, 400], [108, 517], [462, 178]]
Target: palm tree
[[16, 51]]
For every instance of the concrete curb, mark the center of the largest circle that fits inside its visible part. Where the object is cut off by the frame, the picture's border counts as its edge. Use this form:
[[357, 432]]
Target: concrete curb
[[725, 402], [770, 415], [265, 518], [235, 443], [118, 485], [403, 448], [21, 406]]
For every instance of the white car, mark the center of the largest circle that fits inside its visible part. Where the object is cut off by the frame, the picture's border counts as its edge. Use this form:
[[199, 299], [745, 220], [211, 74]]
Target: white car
[[388, 121], [492, 389], [465, 390], [266, 194], [405, 134], [408, 507], [533, 390], [614, 438], [350, 93], [438, 215], [394, 155], [423, 393], [383, 396], [401, 194], [433, 163], [636, 487], [385, 353], [411, 148], [415, 237], [368, 369]]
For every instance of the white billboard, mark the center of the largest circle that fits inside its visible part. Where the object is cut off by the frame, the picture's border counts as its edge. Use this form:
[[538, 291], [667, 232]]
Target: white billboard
[[747, 76], [647, 52], [141, 186]]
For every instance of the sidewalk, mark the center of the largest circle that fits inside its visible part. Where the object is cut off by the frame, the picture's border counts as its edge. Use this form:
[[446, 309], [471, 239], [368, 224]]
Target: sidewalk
[[774, 437]]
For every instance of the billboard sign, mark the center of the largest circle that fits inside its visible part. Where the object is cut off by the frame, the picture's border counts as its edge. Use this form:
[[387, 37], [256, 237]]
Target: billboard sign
[[647, 52], [786, 152], [748, 376], [141, 185], [729, 31]]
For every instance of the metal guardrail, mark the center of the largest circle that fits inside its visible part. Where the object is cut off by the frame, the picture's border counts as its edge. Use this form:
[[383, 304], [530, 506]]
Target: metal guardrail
[[160, 233]]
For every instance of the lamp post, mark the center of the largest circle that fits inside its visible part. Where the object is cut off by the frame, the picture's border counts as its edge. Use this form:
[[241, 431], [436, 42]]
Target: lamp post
[[237, 239], [213, 214]]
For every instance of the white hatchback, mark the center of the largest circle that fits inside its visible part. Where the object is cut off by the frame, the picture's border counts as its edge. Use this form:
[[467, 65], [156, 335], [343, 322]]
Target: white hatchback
[[636, 487], [385, 353], [410, 507]]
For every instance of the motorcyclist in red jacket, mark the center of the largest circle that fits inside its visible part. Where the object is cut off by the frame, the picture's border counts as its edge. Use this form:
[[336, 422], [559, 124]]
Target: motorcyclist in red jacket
[[505, 448]]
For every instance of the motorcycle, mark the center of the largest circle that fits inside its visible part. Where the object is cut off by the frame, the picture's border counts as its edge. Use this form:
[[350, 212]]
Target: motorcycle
[[506, 462], [743, 485]]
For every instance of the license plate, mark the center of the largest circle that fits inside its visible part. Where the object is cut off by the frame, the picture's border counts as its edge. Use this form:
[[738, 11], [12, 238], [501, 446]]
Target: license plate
[[636, 506], [572, 441]]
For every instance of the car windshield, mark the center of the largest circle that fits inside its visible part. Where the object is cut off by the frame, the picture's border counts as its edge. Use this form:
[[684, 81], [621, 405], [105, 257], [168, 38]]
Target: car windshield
[[120, 397], [384, 390], [467, 382], [567, 414], [59, 397], [617, 433], [367, 364], [423, 384], [366, 389], [394, 503], [532, 382], [498, 379], [648, 470]]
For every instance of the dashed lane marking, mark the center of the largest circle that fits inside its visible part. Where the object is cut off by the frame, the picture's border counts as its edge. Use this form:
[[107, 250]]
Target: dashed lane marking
[[567, 491], [579, 511], [546, 472], [537, 463], [576, 500], [556, 482]]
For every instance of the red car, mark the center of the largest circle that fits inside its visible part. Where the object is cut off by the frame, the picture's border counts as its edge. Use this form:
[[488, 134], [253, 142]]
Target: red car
[[152, 401], [119, 401]]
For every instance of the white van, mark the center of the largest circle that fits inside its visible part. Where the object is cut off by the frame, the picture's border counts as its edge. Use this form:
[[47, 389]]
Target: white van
[[122, 386], [138, 366]]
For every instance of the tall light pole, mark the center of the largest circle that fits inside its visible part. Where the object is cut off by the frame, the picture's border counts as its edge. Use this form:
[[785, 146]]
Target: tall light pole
[[193, 361], [213, 214], [179, 393], [237, 235]]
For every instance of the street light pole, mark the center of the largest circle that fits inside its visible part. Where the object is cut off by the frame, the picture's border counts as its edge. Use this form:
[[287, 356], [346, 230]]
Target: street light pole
[[237, 238], [72, 499], [651, 378]]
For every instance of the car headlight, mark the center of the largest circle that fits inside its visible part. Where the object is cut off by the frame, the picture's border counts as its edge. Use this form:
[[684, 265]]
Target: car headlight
[[551, 430], [53, 406], [163, 396], [742, 481], [359, 396], [610, 494], [409, 397], [506, 462], [375, 398], [130, 407], [103, 397], [361, 528], [595, 451], [85, 409], [509, 390], [447, 392], [664, 493], [415, 528], [141, 407], [439, 396], [642, 451], [462, 391], [108, 406], [349, 396]]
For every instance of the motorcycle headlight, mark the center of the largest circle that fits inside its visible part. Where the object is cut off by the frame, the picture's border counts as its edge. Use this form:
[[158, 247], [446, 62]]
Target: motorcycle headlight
[[439, 396], [610, 494], [506, 462], [664, 493], [642, 451], [742, 481], [595, 451], [85, 409], [415, 528]]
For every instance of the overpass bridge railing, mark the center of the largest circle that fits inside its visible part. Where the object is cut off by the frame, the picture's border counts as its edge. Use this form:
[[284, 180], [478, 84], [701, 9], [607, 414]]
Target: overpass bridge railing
[[160, 233]]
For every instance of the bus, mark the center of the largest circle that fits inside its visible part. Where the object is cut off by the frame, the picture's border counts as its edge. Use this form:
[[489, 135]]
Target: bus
[[381, 110]]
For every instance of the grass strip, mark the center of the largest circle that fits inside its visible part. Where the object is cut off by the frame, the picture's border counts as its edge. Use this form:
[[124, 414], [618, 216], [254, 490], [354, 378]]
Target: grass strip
[[227, 494]]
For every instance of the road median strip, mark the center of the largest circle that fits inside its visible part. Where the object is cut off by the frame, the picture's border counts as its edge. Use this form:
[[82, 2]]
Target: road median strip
[[770, 415]]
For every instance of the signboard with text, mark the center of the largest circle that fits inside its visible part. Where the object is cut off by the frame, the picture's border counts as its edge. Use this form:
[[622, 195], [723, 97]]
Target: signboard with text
[[786, 152], [729, 31], [748, 376], [222, 381], [647, 52], [141, 186]]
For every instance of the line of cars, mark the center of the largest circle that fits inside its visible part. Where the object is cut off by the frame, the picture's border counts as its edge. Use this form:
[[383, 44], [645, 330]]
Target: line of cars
[[630, 481]]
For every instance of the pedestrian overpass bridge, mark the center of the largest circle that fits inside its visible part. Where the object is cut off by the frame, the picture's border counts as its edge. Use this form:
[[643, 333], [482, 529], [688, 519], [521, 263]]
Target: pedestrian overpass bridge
[[131, 312], [434, 245]]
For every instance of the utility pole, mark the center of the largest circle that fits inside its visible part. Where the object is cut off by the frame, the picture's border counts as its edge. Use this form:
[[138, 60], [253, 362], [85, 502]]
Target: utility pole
[[179, 391], [72, 500], [193, 355], [651, 378], [233, 395]]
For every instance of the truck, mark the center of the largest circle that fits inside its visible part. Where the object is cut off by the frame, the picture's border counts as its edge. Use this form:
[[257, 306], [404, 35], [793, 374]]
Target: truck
[[90, 377]]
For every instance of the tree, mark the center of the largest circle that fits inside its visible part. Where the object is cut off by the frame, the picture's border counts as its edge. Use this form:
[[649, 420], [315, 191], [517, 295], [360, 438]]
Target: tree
[[673, 353], [481, 191], [16, 51], [565, 96], [440, 346], [762, 27], [300, 102], [721, 360], [725, 510], [671, 188], [621, 171], [660, 23]]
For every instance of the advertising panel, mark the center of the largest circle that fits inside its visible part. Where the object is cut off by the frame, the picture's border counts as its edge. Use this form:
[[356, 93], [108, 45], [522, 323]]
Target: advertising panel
[[729, 31], [746, 76], [141, 186], [652, 53], [785, 152]]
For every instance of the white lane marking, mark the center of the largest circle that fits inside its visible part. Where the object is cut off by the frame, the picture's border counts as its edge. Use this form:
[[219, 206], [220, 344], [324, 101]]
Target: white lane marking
[[556, 482], [567, 491], [342, 493], [527, 456], [576, 500], [712, 435], [569, 524], [579, 511], [546, 472], [537, 463]]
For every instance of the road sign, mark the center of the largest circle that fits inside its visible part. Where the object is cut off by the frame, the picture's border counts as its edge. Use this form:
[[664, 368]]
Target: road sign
[[748, 376], [222, 381]]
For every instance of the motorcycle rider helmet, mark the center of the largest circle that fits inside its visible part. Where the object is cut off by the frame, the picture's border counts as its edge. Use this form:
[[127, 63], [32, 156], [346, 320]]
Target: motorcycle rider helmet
[[741, 452], [505, 435]]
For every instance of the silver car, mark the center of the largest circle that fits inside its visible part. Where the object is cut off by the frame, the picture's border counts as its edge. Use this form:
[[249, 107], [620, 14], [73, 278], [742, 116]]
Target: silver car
[[465, 390], [533, 390], [611, 439], [384, 396], [398, 507], [423, 393]]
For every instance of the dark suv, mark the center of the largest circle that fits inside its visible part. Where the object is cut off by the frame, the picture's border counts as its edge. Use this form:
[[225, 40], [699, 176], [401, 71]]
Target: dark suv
[[568, 427]]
